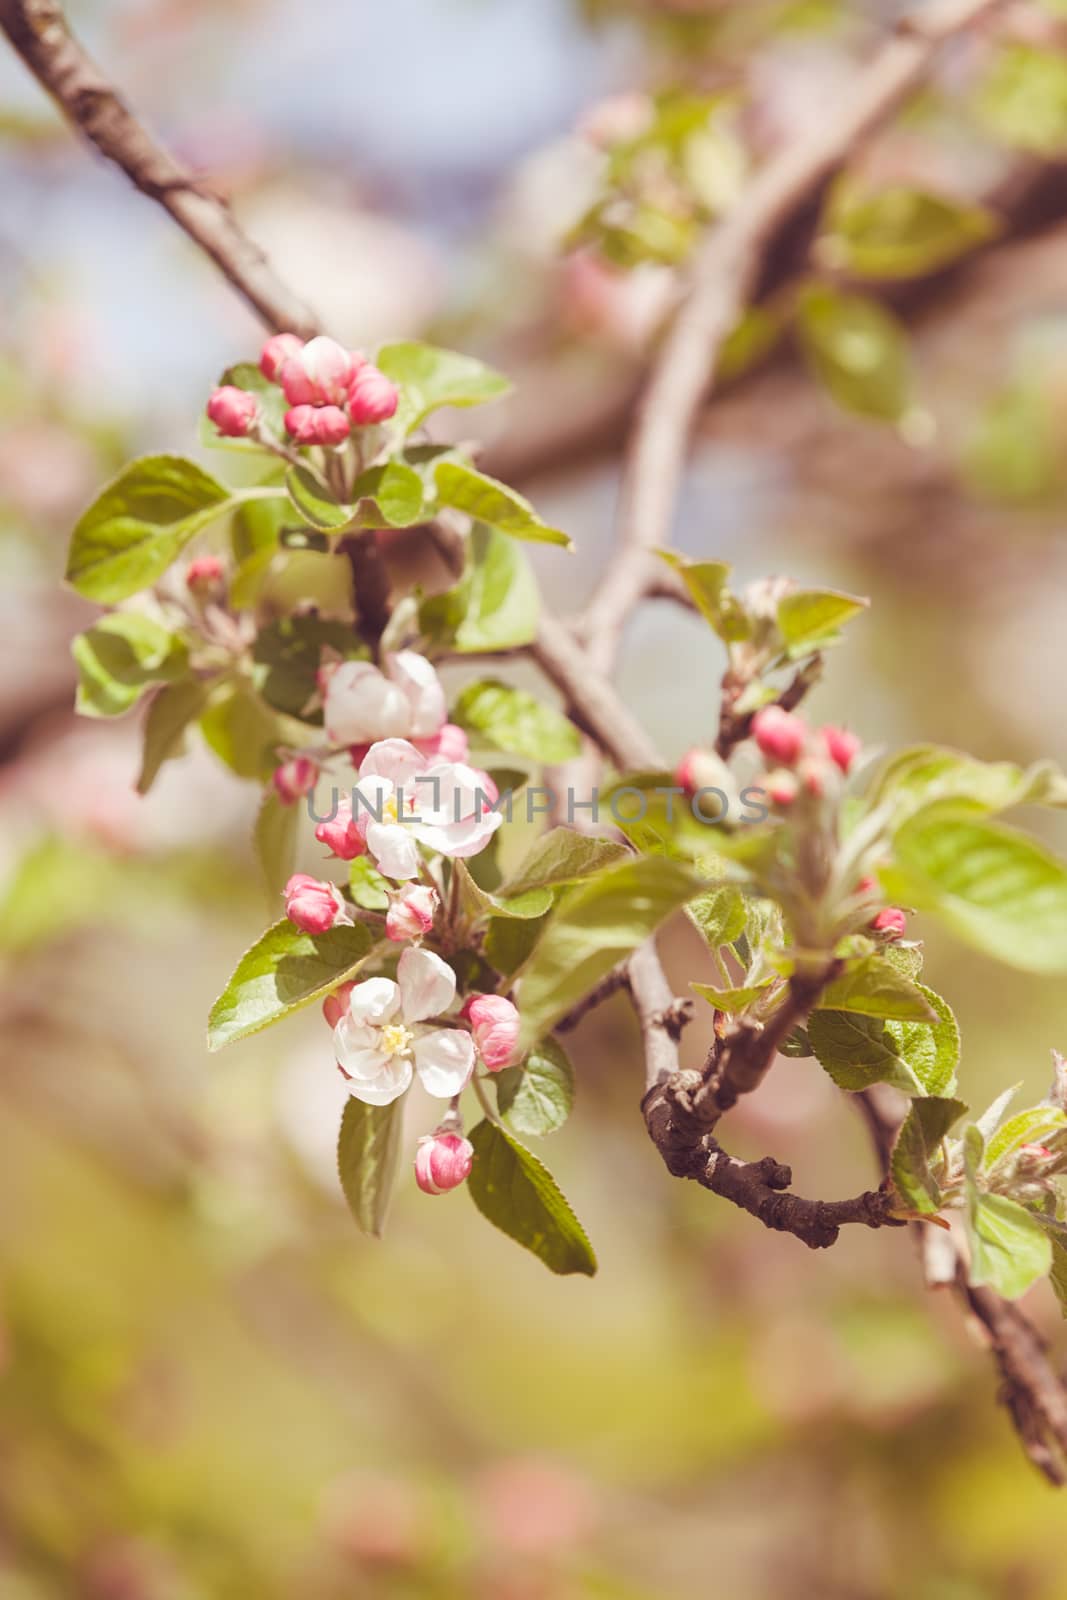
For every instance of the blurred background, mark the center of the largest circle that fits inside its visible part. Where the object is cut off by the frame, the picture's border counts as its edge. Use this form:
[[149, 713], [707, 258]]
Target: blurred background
[[210, 1384]]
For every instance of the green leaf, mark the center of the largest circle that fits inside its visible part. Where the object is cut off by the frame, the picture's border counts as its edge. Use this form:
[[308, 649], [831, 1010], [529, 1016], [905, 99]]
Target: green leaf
[[120, 657], [519, 1195], [918, 1058], [1009, 1248], [562, 856], [368, 1149], [923, 773], [369, 888], [900, 232], [429, 377], [315, 502], [927, 1123], [396, 491], [811, 619], [537, 1096], [1036, 1126], [488, 501], [143, 520], [495, 604], [731, 1000], [513, 720], [592, 928], [170, 713], [1057, 1234], [274, 838], [287, 655], [706, 582], [283, 971], [994, 888], [509, 941], [873, 987], [857, 350], [1024, 99], [720, 914]]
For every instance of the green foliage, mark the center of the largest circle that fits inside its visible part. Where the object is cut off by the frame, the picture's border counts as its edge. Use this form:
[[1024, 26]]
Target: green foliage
[[368, 1151], [519, 1195], [732, 1001], [369, 888], [925, 773], [857, 350], [811, 619], [993, 887], [274, 838], [314, 502], [857, 1050], [120, 657], [284, 970], [899, 232], [170, 713], [1009, 1248], [286, 656], [916, 1152], [874, 987], [391, 496], [243, 732], [513, 720], [485, 500], [140, 524], [1023, 99], [562, 856], [537, 1096], [495, 604], [720, 914], [430, 378]]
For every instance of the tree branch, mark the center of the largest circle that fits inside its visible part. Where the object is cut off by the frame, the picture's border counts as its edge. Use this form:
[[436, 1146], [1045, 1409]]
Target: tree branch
[[38, 31]]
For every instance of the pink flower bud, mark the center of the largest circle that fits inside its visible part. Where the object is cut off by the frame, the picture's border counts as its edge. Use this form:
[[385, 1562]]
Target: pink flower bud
[[318, 374], [780, 734], [203, 574], [892, 922], [495, 1026], [1036, 1152], [699, 769], [371, 397], [449, 743], [341, 834], [335, 1005], [279, 349], [411, 914], [842, 746], [312, 905], [782, 788], [317, 424], [294, 778], [233, 411], [443, 1162]]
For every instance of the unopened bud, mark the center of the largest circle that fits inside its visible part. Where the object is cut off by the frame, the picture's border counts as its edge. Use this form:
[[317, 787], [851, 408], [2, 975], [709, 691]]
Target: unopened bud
[[782, 787], [842, 746], [294, 779], [341, 835], [411, 914], [781, 735], [234, 412], [443, 1161], [371, 397], [313, 905], [279, 349], [892, 922], [324, 425], [495, 1026], [204, 574], [318, 374]]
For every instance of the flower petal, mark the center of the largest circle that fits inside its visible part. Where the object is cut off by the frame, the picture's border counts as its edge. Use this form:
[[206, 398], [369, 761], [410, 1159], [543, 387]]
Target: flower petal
[[394, 759], [427, 984], [362, 704], [386, 1085], [469, 837], [373, 1002], [417, 679], [444, 1060], [395, 849]]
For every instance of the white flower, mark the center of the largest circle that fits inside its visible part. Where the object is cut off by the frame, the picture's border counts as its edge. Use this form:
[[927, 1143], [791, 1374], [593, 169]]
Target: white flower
[[380, 1044], [363, 703], [447, 806]]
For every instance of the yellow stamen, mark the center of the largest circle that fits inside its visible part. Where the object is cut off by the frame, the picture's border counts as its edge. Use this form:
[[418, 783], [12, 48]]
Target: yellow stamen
[[396, 1039]]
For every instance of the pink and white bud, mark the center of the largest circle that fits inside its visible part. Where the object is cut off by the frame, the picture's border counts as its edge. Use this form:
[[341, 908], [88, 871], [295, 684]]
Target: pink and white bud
[[443, 1161], [294, 779], [450, 743], [892, 922], [782, 787], [318, 374], [781, 735], [234, 412], [341, 834], [313, 905], [371, 397], [279, 348], [495, 1026], [204, 574], [335, 1005], [411, 914], [324, 425], [699, 769], [842, 746]]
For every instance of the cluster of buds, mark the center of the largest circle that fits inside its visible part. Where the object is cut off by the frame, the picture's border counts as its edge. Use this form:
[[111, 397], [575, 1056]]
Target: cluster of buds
[[799, 757], [330, 391]]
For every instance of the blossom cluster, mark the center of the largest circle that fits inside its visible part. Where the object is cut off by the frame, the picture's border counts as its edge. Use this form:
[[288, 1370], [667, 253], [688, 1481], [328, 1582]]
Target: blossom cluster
[[329, 390]]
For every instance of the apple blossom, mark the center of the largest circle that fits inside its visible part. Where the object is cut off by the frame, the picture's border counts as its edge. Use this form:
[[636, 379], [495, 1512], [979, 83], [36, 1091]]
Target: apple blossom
[[892, 922], [294, 778], [279, 348], [781, 735], [842, 746], [403, 701], [443, 1162], [313, 905], [381, 1042], [371, 396], [411, 913], [495, 1025], [446, 806], [318, 374], [317, 424], [341, 834], [233, 411]]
